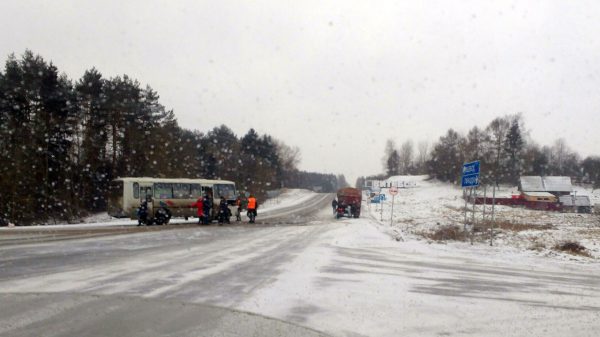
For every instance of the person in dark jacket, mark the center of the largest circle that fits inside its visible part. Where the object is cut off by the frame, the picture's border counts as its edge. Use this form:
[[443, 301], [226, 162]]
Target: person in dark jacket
[[334, 205], [207, 206], [142, 213], [224, 212]]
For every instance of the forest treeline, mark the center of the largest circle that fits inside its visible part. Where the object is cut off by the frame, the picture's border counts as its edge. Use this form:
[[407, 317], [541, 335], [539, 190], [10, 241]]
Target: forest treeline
[[504, 149], [63, 141]]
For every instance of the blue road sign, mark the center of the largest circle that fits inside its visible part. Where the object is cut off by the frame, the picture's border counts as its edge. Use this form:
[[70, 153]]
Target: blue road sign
[[470, 168], [470, 180], [470, 174], [378, 199]]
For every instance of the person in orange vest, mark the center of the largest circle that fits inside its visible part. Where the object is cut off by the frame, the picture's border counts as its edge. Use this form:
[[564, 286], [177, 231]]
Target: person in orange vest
[[252, 207], [200, 207]]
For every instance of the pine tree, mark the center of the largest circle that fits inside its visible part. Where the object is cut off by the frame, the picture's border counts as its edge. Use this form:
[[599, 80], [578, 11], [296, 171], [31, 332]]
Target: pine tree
[[447, 158], [222, 150], [92, 139], [591, 171], [513, 147], [62, 144], [390, 146], [393, 164], [535, 161]]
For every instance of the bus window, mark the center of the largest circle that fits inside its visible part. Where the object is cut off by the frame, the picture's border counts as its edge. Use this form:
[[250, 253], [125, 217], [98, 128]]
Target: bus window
[[136, 190], [207, 190], [225, 190], [181, 191], [146, 192], [196, 190], [163, 191]]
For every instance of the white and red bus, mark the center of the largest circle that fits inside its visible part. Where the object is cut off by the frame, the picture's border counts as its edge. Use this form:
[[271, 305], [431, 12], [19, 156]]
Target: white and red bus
[[126, 194]]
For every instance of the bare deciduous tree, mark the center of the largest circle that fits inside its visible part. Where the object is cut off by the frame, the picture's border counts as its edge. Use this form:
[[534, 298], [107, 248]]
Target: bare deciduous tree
[[422, 156], [406, 157]]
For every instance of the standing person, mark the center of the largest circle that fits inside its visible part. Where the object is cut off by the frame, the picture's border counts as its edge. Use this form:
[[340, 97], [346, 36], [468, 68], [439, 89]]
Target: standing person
[[252, 207], [207, 206], [199, 209], [334, 205], [223, 211], [238, 212], [142, 213]]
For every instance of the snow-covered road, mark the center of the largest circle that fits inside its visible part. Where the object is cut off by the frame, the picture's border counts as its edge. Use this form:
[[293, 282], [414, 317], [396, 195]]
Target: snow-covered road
[[346, 278], [293, 206]]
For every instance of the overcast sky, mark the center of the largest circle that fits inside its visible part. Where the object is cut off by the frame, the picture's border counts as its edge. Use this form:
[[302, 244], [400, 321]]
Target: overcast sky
[[336, 78]]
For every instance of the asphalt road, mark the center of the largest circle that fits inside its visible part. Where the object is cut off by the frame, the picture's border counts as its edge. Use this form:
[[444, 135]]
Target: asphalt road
[[278, 216], [343, 277], [75, 282]]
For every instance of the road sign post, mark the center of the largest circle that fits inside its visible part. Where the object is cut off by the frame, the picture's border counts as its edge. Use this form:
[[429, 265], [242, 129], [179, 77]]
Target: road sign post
[[492, 223], [380, 208], [473, 215], [393, 192], [470, 180]]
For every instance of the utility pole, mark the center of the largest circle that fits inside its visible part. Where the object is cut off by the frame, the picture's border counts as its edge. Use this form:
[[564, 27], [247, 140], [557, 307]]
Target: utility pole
[[473, 215], [381, 208], [493, 208]]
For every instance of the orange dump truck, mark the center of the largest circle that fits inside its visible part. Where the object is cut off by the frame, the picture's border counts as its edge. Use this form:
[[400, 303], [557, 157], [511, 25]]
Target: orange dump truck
[[349, 200]]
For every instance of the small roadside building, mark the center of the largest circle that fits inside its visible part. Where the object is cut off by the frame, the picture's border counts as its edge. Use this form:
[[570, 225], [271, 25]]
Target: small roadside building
[[531, 184], [558, 185], [555, 185], [576, 203]]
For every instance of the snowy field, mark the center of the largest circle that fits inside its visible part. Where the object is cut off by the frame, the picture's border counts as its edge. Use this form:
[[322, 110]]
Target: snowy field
[[432, 204]]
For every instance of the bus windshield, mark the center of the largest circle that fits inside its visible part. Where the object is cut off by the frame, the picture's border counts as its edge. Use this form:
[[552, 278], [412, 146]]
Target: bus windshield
[[225, 190]]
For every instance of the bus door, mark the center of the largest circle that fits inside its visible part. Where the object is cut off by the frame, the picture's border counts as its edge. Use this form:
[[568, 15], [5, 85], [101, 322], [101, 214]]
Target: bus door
[[208, 191], [146, 194]]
